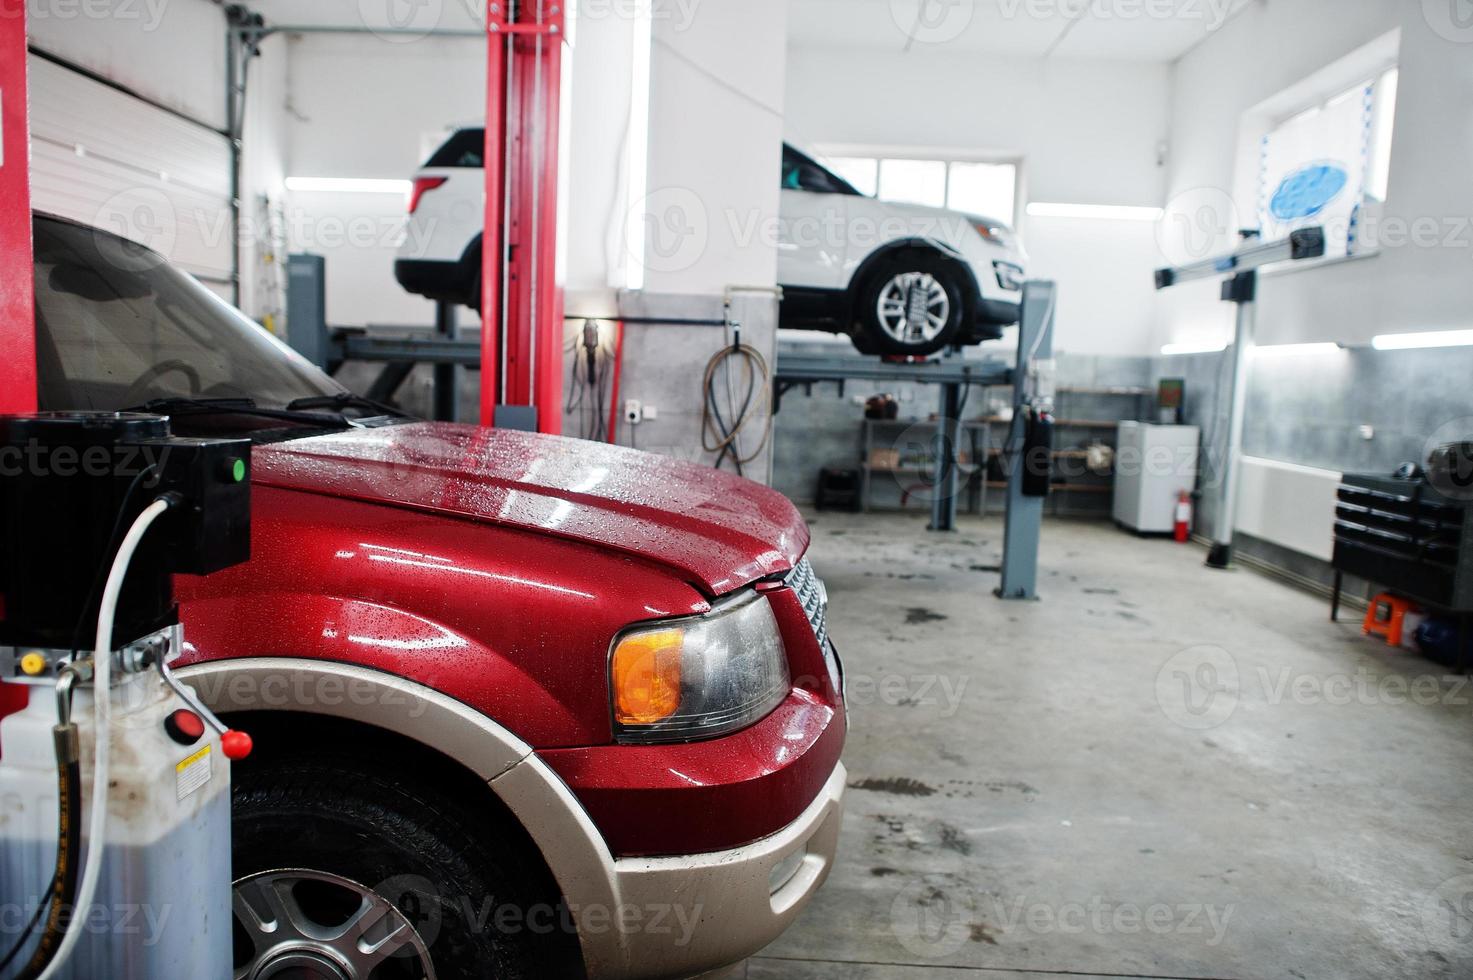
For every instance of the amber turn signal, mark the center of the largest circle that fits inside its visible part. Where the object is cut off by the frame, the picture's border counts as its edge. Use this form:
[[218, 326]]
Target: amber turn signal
[[646, 676]]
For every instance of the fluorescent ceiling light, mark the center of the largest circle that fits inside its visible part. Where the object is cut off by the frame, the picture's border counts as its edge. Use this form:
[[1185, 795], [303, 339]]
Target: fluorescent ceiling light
[[1202, 347], [1114, 212], [1296, 349], [1431, 338], [348, 185]]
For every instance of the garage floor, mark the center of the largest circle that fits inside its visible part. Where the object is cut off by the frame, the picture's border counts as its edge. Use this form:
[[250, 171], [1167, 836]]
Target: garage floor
[[1023, 804]]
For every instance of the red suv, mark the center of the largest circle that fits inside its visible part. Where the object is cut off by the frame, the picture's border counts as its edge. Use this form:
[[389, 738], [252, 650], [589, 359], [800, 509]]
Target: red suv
[[524, 706]]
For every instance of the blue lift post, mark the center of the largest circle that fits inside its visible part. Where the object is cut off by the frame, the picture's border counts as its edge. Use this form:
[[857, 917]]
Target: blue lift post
[[1032, 387]]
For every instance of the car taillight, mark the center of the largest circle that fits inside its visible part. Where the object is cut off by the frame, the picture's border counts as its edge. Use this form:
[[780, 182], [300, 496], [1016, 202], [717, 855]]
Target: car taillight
[[421, 185]]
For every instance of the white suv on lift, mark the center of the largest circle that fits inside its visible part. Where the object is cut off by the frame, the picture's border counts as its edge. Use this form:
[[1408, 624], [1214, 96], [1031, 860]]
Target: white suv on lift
[[897, 278]]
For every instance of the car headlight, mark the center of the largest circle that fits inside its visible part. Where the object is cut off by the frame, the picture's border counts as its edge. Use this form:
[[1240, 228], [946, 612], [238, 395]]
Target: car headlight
[[993, 232], [699, 677]]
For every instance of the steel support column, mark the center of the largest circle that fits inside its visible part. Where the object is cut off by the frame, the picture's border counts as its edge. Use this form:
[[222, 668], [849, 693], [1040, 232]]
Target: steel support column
[[1023, 523], [447, 384], [17, 300], [947, 455], [1242, 289], [521, 348]]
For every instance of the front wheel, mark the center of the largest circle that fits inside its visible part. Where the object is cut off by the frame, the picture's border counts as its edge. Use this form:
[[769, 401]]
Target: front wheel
[[912, 305], [350, 871]]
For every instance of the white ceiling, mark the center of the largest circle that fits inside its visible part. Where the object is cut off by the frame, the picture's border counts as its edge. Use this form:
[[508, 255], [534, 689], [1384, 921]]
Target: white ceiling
[[1123, 30]]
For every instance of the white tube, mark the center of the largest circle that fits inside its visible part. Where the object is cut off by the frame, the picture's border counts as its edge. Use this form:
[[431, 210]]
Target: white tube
[[102, 666]]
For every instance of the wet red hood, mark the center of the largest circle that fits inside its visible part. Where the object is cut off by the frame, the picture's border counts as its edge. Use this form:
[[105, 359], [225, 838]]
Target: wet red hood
[[717, 530]]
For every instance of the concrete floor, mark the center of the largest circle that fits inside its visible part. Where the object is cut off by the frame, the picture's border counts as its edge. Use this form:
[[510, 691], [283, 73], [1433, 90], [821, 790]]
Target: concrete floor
[[1158, 770]]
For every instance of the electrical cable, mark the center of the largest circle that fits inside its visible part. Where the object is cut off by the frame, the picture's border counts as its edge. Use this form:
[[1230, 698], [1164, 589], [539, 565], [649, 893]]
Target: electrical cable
[[112, 542], [102, 711], [588, 385]]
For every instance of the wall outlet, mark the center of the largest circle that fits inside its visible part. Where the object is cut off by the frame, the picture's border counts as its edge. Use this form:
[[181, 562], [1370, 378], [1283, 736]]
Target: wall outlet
[[633, 411], [650, 413], [1367, 433]]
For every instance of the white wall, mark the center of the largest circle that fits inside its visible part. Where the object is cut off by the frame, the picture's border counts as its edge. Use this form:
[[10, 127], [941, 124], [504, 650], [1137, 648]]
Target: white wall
[[1406, 287], [716, 124], [596, 159], [1088, 132]]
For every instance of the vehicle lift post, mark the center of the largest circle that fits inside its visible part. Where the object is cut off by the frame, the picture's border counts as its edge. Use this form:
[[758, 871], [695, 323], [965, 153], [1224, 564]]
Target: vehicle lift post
[[17, 277], [521, 315], [447, 378], [1032, 388], [1031, 378], [1242, 290], [947, 445]]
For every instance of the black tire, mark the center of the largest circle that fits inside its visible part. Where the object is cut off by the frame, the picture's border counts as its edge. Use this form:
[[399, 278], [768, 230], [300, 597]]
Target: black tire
[[862, 343], [442, 865], [916, 262]]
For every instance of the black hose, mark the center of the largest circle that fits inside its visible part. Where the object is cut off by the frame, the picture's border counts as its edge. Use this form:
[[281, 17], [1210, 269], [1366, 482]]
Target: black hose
[[62, 894], [719, 434]]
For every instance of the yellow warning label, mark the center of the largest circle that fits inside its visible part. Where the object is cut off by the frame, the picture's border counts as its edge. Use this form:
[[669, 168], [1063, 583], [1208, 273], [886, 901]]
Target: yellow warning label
[[192, 773]]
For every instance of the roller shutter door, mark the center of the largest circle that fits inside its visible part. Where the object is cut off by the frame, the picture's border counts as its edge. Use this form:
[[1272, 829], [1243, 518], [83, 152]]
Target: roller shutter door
[[105, 158]]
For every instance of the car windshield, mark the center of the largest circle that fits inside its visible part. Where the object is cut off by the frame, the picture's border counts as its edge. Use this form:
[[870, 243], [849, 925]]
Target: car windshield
[[117, 326]]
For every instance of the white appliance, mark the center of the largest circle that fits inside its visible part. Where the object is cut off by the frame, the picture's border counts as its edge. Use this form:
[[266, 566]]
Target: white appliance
[[1153, 464]]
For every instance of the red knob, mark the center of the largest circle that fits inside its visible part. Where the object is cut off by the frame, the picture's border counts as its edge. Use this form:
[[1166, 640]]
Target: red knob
[[236, 745]]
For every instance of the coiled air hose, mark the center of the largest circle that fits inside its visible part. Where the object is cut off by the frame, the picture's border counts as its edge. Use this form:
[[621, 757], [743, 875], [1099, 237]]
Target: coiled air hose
[[720, 434]]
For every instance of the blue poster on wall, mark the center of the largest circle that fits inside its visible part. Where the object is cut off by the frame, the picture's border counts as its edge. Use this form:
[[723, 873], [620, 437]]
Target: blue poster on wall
[[1308, 191], [1313, 170]]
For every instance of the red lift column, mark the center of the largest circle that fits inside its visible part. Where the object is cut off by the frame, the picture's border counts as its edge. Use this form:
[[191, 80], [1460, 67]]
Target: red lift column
[[17, 303], [521, 300]]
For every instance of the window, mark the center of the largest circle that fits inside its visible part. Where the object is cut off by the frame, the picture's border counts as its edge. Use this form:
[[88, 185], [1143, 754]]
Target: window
[[987, 189], [863, 173], [913, 182], [1324, 164]]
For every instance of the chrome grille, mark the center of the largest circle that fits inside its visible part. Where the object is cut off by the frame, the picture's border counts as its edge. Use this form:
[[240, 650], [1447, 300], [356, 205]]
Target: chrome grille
[[813, 596]]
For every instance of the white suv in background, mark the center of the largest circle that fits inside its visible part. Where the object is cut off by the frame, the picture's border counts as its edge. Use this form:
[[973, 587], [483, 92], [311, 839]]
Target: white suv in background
[[441, 254], [897, 278]]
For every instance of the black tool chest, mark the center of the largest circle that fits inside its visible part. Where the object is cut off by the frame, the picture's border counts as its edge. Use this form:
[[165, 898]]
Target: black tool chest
[[1406, 537]]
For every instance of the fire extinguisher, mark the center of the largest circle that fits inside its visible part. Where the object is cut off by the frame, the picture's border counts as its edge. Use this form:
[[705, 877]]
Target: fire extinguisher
[[1183, 516]]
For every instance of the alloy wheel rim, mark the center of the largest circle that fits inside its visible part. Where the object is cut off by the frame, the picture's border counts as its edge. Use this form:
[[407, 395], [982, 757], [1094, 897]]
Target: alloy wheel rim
[[293, 935], [913, 308]]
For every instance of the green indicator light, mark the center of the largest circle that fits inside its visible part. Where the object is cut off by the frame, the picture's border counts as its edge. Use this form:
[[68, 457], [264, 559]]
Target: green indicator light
[[238, 470]]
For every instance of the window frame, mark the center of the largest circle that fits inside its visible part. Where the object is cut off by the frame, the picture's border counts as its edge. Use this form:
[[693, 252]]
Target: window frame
[[949, 157]]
